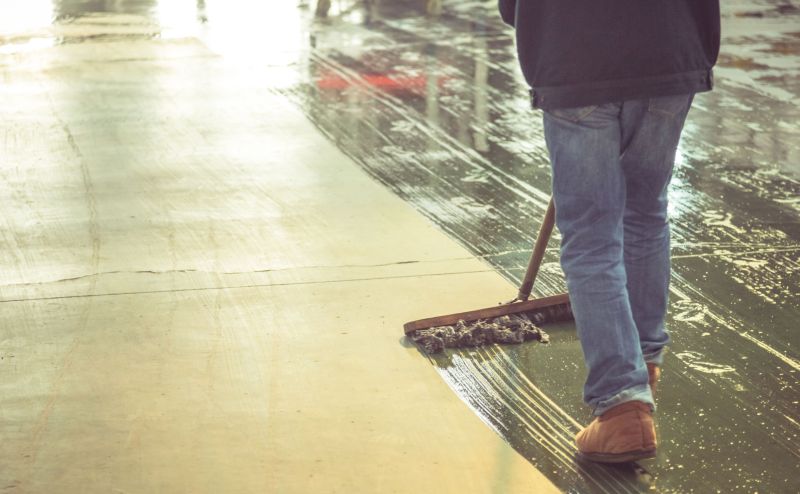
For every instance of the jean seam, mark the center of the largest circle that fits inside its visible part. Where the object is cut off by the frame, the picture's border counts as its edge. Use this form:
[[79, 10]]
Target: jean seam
[[655, 109], [663, 112], [588, 111]]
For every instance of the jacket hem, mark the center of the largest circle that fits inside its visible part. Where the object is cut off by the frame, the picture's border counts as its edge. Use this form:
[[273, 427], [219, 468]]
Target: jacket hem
[[597, 93]]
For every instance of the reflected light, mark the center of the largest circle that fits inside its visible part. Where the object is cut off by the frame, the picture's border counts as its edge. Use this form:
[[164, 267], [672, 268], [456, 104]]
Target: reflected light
[[177, 18], [387, 82], [680, 161], [267, 37], [678, 191], [24, 26], [18, 17], [264, 32], [27, 44]]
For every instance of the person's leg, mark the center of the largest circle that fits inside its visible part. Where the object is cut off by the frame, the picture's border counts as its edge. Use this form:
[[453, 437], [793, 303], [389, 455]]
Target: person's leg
[[589, 190], [650, 133]]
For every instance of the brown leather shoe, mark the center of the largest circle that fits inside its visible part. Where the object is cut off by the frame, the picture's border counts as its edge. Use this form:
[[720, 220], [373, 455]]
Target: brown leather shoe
[[654, 373], [624, 433]]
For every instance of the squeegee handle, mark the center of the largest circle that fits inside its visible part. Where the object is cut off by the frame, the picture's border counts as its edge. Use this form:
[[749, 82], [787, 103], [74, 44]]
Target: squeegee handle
[[539, 248]]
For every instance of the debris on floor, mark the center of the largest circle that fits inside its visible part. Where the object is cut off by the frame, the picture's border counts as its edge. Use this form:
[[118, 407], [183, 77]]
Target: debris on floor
[[506, 329]]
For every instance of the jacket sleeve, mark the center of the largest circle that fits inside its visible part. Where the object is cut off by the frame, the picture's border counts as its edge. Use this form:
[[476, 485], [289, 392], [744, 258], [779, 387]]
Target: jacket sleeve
[[507, 8]]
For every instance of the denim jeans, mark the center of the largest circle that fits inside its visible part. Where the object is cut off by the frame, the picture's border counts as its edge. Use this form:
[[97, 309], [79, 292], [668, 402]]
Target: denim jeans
[[611, 165]]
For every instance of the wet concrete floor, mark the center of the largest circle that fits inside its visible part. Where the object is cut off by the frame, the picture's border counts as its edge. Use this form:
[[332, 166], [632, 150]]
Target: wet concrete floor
[[428, 99], [433, 107]]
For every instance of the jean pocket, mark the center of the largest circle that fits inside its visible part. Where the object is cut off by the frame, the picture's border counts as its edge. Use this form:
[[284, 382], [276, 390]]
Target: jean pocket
[[670, 106], [573, 115]]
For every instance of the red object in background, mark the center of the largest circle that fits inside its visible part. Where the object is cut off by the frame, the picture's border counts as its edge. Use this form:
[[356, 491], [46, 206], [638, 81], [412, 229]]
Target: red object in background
[[387, 82]]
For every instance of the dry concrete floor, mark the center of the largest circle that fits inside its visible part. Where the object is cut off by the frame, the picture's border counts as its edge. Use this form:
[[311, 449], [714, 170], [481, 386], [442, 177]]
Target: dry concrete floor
[[201, 294]]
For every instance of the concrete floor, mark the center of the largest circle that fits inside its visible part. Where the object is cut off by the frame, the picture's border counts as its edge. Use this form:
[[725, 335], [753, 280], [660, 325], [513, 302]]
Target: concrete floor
[[201, 293]]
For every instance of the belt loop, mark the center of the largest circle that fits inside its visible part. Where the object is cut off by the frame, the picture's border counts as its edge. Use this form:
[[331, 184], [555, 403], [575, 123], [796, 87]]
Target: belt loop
[[536, 99]]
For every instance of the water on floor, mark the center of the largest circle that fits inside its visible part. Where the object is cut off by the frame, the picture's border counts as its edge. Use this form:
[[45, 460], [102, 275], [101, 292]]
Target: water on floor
[[433, 106]]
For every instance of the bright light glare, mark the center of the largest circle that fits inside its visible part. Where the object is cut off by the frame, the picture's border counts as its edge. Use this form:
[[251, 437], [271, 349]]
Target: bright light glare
[[23, 16], [177, 18], [268, 32]]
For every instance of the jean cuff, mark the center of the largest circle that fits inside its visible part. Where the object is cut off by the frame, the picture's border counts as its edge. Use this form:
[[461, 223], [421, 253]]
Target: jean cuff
[[637, 393], [655, 357]]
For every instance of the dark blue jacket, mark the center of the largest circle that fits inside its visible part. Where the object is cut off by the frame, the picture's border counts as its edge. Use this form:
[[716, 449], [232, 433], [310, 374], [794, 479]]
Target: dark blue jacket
[[587, 52]]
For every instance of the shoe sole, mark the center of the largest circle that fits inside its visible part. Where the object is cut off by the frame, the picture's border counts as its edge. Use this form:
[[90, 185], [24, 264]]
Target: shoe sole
[[626, 457]]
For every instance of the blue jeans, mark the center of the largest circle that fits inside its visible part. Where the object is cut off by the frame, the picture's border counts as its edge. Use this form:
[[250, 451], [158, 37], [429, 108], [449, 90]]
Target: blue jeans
[[612, 164]]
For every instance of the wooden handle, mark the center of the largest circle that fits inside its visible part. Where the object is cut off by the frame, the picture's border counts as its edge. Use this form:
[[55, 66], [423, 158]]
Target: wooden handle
[[539, 249]]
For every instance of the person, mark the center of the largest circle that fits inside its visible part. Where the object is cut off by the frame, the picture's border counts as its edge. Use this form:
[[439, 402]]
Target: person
[[615, 80]]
